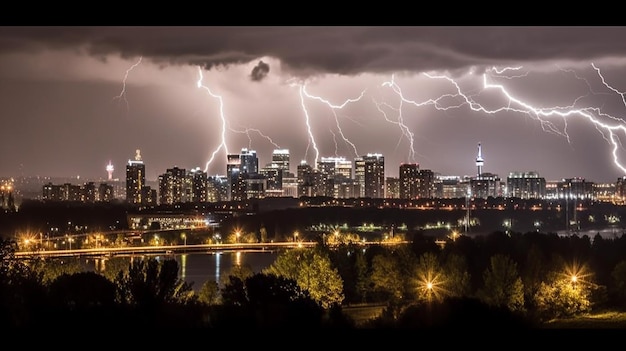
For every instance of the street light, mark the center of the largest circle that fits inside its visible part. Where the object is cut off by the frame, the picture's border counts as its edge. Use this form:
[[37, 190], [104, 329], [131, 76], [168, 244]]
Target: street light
[[184, 238], [237, 234], [295, 236]]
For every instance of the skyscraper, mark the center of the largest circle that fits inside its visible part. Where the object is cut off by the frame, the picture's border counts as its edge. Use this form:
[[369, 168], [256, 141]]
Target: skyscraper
[[369, 174], [409, 181], [233, 168], [135, 180], [281, 158], [249, 161], [172, 186]]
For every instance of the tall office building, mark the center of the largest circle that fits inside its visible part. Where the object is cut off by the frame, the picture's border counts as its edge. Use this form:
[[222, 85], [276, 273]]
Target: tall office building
[[249, 161], [199, 185], [369, 174], [409, 181], [335, 176], [172, 186], [280, 157], [233, 168], [135, 180], [305, 179]]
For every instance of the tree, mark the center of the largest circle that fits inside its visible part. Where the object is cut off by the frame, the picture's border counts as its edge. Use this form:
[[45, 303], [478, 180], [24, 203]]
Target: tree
[[82, 290], [457, 277], [313, 271], [114, 265], [267, 300], [362, 277], [22, 293], [150, 282], [619, 282], [241, 271], [533, 272], [560, 297], [386, 277], [52, 268], [502, 285], [209, 293]]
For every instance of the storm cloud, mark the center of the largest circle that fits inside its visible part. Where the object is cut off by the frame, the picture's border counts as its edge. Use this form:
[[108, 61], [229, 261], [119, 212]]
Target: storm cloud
[[330, 49]]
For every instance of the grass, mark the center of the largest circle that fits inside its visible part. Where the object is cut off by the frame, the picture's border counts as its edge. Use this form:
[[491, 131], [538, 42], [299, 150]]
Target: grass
[[597, 320]]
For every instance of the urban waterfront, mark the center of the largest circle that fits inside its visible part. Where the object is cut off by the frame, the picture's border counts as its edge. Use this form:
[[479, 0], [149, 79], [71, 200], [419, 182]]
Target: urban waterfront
[[198, 267]]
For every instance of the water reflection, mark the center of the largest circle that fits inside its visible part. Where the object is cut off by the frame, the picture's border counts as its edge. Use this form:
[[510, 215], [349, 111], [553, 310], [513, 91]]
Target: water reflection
[[194, 268]]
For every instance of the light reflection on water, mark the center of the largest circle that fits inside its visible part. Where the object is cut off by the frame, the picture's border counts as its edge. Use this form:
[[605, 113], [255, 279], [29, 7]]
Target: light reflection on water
[[199, 267]]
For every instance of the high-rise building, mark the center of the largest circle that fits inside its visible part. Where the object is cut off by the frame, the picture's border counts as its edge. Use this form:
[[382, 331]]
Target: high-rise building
[[280, 157], [135, 180], [620, 190], [105, 192], [427, 188], [369, 174], [199, 186], [249, 161], [392, 188], [218, 188], [233, 169], [274, 179], [305, 179], [172, 186], [334, 174], [409, 181]]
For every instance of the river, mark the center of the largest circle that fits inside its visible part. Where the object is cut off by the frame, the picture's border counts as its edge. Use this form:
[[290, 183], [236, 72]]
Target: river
[[199, 267]]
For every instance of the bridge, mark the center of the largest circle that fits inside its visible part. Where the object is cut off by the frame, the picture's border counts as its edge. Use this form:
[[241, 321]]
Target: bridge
[[176, 249]]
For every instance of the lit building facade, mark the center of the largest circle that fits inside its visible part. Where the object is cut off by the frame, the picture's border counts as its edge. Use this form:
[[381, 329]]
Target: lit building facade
[[369, 175], [525, 185], [135, 180]]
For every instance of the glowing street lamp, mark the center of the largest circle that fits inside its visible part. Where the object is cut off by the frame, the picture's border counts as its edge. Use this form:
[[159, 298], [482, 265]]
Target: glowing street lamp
[[237, 234], [295, 236], [429, 289], [184, 236], [574, 280]]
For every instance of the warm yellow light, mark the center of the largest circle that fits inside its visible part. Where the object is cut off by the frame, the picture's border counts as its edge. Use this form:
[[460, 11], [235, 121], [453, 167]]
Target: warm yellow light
[[574, 279], [429, 285]]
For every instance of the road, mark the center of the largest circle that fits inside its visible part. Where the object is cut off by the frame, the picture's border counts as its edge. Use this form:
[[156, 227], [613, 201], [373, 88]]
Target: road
[[171, 249]]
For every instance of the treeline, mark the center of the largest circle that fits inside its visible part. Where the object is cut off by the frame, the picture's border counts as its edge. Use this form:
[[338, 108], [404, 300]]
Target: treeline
[[517, 280]]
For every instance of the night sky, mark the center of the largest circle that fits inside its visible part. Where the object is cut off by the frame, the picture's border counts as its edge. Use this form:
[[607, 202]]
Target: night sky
[[544, 99]]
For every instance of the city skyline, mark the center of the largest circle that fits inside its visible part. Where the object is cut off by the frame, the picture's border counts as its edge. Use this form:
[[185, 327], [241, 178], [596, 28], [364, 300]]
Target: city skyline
[[187, 96]]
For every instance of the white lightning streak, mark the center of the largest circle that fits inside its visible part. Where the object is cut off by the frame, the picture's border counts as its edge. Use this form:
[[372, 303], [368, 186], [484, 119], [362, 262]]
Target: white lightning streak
[[123, 92], [247, 132], [403, 128], [514, 104], [223, 143], [308, 127], [333, 109], [607, 85]]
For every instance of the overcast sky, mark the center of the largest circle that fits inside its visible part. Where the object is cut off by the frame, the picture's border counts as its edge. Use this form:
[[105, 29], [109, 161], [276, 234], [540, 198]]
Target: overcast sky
[[544, 99]]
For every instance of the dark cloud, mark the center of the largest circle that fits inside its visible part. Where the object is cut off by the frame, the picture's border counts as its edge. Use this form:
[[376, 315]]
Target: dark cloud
[[260, 71], [333, 49]]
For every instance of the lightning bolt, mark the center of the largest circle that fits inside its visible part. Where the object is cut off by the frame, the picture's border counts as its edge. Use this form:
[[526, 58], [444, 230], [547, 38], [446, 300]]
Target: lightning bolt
[[247, 132], [610, 132], [334, 109], [222, 116], [307, 120], [607, 85], [122, 94]]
